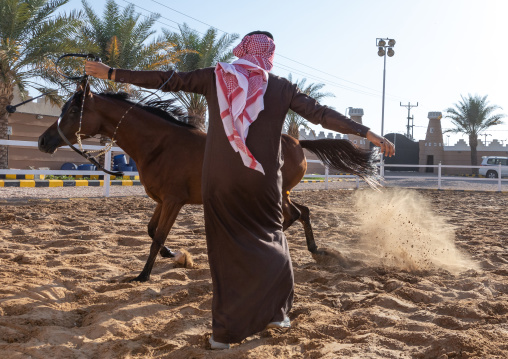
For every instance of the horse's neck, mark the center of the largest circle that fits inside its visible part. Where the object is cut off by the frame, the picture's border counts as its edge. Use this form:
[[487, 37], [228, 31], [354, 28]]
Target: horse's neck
[[129, 126]]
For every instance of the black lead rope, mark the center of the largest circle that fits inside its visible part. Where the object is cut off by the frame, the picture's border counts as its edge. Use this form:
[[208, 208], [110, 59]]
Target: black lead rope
[[85, 56], [12, 108], [85, 154]]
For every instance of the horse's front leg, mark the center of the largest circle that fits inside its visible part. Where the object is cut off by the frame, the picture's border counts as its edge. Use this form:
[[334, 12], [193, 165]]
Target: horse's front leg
[[152, 227], [154, 221], [167, 217]]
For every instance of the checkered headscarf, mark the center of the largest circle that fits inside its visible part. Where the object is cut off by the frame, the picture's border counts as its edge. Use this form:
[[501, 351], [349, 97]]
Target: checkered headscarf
[[240, 90]]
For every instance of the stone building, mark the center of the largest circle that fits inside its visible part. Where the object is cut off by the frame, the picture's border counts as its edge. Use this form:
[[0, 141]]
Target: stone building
[[27, 124], [433, 150], [355, 114]]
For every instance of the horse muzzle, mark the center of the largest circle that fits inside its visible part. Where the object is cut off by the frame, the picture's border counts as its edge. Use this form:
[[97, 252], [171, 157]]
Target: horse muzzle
[[48, 144]]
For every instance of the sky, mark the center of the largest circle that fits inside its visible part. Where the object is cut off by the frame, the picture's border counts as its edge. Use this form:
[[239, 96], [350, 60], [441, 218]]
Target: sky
[[444, 49]]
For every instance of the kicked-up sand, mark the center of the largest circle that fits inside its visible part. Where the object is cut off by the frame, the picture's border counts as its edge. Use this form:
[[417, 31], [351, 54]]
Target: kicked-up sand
[[408, 274]]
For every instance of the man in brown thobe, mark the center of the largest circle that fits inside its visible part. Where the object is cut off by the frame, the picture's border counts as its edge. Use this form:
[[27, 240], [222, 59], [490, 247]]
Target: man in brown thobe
[[248, 253]]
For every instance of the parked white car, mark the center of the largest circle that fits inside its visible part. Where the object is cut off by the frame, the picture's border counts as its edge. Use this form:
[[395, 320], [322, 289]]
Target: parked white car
[[490, 167]]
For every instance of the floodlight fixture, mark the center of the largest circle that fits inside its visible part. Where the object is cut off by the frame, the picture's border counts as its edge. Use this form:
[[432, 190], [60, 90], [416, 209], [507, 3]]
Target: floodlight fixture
[[383, 51]]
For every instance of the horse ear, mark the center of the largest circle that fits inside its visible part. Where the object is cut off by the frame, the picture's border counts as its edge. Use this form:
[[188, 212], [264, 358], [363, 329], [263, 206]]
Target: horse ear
[[84, 86], [87, 89]]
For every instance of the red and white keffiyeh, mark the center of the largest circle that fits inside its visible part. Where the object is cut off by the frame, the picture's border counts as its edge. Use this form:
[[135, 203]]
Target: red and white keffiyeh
[[240, 90]]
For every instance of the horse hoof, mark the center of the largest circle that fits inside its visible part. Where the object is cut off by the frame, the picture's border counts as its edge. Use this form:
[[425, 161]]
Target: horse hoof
[[139, 278], [166, 252], [321, 252]]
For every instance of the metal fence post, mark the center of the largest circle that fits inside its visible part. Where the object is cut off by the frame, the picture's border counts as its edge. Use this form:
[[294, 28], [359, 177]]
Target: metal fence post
[[499, 177], [107, 165], [326, 177], [439, 176]]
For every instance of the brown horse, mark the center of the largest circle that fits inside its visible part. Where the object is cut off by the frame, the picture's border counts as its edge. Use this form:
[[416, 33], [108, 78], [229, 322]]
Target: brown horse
[[169, 155]]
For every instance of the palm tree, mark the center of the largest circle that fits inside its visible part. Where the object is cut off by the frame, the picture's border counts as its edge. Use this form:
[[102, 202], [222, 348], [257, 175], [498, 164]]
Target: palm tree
[[31, 36], [199, 52], [122, 40], [471, 116], [294, 121]]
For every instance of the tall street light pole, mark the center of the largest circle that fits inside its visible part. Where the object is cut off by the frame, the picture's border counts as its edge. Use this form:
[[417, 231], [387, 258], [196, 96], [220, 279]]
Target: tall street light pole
[[385, 47]]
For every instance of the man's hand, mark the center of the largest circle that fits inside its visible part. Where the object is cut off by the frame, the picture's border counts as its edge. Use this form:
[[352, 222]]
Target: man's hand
[[98, 69], [386, 147]]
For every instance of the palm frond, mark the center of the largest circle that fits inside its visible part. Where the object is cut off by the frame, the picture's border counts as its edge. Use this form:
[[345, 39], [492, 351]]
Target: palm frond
[[293, 122], [473, 114]]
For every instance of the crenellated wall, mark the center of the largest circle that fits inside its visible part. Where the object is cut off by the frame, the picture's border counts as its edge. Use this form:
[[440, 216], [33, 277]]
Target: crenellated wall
[[433, 150]]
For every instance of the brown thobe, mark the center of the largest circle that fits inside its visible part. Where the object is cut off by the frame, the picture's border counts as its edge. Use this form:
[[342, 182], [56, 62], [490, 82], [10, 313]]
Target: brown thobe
[[248, 253]]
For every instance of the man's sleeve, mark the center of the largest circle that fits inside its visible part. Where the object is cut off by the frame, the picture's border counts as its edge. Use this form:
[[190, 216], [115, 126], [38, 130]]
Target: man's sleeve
[[194, 81], [311, 110]]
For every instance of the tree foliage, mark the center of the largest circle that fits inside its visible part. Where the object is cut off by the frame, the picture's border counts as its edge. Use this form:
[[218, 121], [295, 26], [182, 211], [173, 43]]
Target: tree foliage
[[472, 115], [294, 121], [199, 51], [31, 38], [122, 39], [32, 35]]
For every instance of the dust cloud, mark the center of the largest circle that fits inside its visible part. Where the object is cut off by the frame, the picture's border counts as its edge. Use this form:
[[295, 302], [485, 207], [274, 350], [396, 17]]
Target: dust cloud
[[400, 229]]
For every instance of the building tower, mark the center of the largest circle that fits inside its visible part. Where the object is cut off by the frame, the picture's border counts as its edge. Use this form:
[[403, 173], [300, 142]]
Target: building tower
[[356, 115], [432, 149]]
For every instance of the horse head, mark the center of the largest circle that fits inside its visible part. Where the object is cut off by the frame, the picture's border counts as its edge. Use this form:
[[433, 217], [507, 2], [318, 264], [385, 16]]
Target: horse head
[[71, 121]]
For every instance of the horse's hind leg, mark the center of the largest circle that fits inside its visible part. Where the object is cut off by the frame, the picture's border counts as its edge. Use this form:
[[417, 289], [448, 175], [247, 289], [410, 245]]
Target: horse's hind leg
[[289, 212], [309, 235], [152, 227], [167, 217]]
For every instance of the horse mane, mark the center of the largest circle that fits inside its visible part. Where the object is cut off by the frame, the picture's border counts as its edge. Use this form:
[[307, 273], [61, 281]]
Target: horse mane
[[165, 109]]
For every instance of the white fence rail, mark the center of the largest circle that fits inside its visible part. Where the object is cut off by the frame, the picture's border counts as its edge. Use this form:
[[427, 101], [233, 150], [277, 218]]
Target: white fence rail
[[327, 176], [107, 164], [439, 177]]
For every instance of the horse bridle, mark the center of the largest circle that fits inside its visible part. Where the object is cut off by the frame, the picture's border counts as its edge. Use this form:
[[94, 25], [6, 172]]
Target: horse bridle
[[86, 154]]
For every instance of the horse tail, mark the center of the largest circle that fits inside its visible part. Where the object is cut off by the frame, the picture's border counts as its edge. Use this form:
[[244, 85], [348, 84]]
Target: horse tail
[[342, 155]]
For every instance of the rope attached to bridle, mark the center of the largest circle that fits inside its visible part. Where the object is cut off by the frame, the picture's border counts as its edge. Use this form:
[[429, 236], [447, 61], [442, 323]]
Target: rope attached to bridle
[[109, 146], [86, 154]]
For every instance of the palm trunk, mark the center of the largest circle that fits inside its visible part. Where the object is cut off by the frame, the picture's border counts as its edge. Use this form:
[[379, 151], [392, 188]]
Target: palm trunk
[[473, 143], [6, 96]]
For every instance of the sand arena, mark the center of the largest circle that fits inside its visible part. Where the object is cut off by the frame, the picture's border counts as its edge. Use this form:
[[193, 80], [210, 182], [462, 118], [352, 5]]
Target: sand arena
[[411, 274]]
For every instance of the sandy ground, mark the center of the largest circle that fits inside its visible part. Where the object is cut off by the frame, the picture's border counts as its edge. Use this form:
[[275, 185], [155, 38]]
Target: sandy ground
[[410, 274]]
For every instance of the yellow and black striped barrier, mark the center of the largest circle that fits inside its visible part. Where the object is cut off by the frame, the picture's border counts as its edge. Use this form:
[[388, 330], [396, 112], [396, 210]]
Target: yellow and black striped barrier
[[66, 183], [334, 180]]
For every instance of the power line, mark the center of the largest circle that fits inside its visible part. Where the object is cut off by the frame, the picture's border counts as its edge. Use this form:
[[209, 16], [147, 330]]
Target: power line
[[282, 66], [298, 62], [190, 17], [153, 13]]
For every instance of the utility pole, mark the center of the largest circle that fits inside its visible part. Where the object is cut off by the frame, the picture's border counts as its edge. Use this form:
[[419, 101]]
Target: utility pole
[[409, 118], [485, 134]]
